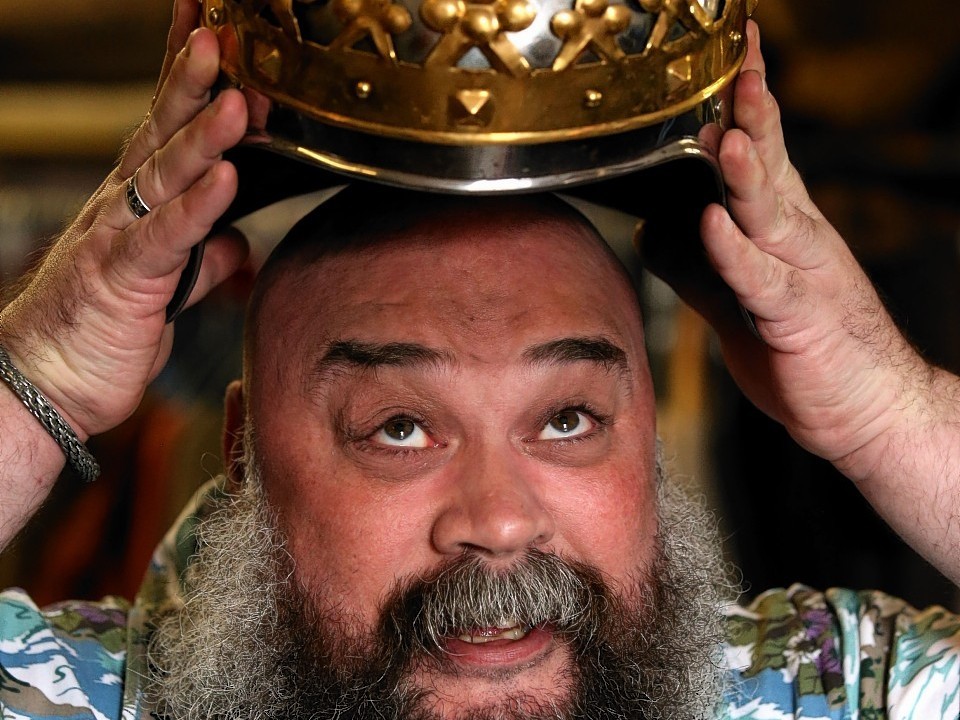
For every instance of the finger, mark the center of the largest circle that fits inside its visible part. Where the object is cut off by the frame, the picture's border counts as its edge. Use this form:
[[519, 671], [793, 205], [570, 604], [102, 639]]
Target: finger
[[757, 113], [764, 285], [223, 255], [186, 18], [150, 252], [770, 222], [752, 198], [189, 154], [184, 96], [754, 59], [710, 136]]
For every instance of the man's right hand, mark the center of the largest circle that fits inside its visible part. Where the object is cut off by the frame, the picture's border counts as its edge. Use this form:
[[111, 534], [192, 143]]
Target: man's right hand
[[89, 329]]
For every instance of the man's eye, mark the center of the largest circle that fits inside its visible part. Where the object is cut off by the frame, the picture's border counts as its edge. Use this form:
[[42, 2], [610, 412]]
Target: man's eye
[[566, 424], [402, 432]]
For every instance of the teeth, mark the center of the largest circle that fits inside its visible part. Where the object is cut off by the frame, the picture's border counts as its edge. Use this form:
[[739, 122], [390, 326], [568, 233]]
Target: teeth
[[479, 636]]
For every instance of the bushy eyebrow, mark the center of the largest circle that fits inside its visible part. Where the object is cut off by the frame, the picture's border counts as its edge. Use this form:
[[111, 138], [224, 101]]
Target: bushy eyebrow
[[346, 355], [353, 354], [597, 350]]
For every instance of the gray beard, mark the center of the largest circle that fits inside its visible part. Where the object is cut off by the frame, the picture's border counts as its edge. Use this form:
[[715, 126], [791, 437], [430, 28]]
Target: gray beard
[[250, 642]]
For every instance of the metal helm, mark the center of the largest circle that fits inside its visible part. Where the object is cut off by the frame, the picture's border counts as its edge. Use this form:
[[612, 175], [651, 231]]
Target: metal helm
[[487, 96]]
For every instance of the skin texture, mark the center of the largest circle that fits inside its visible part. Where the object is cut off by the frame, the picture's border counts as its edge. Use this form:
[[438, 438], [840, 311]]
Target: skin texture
[[833, 367], [360, 515]]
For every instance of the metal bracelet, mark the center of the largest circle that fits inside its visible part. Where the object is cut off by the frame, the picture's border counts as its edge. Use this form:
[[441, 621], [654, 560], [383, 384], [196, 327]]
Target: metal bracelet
[[80, 459]]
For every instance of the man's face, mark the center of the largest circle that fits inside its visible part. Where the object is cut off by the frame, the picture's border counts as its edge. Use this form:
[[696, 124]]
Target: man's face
[[479, 389]]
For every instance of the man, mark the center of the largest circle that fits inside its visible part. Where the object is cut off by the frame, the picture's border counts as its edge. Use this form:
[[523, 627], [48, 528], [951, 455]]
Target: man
[[483, 429], [447, 423]]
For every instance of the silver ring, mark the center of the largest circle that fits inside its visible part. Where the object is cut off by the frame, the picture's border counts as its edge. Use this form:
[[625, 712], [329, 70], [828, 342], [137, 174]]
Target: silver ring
[[134, 201]]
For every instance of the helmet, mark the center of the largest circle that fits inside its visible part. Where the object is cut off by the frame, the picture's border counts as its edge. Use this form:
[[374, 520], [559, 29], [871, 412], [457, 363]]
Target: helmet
[[486, 96], [481, 95]]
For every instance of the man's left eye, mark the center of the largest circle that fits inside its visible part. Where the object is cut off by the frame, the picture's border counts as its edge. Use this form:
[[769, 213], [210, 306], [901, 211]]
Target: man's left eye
[[566, 424], [402, 431]]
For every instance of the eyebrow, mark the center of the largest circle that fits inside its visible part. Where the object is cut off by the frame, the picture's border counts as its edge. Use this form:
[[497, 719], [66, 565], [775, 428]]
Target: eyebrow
[[344, 355], [347, 354], [597, 350]]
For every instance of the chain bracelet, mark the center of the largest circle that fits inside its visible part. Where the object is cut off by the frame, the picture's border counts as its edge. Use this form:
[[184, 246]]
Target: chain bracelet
[[80, 459]]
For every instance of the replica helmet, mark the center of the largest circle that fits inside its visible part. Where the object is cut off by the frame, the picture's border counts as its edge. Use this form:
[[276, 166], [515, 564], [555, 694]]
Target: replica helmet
[[486, 96]]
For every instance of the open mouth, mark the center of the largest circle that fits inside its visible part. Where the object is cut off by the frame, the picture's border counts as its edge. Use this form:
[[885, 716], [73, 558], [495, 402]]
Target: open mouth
[[480, 636], [498, 646]]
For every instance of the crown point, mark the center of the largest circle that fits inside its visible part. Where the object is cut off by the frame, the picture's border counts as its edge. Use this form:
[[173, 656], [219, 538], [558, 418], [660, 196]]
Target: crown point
[[481, 24], [592, 99], [679, 73], [565, 23], [398, 19], [473, 101], [593, 8], [516, 15], [442, 15], [617, 18], [267, 60]]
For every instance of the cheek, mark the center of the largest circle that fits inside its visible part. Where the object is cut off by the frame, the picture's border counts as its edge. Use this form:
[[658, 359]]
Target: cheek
[[609, 515], [349, 542], [612, 524]]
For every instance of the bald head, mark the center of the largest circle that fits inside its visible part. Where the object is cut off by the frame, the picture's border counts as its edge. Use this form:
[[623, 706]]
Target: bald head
[[431, 378], [363, 220]]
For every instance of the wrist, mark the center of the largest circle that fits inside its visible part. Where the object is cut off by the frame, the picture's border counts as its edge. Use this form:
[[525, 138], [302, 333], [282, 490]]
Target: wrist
[[49, 418], [922, 402]]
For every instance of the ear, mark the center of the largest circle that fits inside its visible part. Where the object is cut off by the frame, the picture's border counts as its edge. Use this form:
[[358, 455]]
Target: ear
[[233, 435]]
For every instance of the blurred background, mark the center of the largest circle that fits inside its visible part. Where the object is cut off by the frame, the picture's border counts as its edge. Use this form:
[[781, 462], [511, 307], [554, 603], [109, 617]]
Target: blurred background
[[870, 93]]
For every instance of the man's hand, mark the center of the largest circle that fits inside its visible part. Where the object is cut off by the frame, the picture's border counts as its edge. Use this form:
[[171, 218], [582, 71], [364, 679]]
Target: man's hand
[[832, 366], [89, 329]]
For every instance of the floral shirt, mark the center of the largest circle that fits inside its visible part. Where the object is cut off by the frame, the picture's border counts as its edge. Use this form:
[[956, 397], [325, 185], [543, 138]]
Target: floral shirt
[[791, 654]]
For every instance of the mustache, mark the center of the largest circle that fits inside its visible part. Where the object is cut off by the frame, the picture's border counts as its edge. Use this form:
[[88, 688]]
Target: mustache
[[539, 589]]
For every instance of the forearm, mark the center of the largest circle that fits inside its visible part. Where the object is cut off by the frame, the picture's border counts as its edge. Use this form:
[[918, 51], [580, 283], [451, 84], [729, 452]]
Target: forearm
[[30, 461], [911, 473]]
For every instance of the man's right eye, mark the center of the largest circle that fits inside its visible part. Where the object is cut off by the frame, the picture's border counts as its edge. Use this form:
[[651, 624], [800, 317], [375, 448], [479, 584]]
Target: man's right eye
[[402, 431]]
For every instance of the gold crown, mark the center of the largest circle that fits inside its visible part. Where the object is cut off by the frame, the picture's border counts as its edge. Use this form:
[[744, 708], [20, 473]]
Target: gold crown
[[475, 72]]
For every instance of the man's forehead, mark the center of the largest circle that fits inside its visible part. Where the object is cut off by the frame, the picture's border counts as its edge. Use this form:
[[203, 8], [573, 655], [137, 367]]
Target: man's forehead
[[466, 262]]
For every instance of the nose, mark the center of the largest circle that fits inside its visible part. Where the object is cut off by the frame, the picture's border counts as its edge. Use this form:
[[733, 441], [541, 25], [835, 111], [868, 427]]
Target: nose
[[494, 508]]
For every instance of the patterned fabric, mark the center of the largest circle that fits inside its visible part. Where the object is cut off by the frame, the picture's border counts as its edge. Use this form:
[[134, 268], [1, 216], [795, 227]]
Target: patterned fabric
[[791, 654], [799, 653]]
